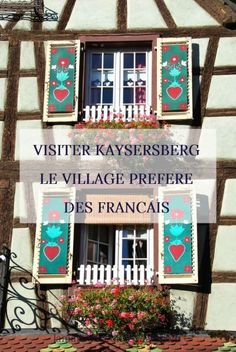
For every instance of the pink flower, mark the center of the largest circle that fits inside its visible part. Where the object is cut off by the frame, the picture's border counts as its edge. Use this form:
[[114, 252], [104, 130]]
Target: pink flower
[[167, 238], [141, 315], [131, 326], [177, 214], [87, 322], [124, 315], [187, 239], [165, 48], [77, 310], [167, 269], [115, 333], [131, 342], [187, 268]]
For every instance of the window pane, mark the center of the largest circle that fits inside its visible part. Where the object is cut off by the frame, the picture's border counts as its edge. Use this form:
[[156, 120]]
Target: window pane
[[95, 96], [104, 234], [103, 254], [127, 248], [128, 60], [108, 61], [141, 262], [141, 231], [96, 60], [92, 232], [127, 262], [92, 252], [128, 231], [107, 95], [141, 249], [140, 95], [128, 96], [141, 60]]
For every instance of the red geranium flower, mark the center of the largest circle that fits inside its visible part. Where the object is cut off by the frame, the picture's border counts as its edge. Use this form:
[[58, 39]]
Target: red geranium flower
[[63, 62], [54, 215], [109, 323], [174, 59], [115, 291]]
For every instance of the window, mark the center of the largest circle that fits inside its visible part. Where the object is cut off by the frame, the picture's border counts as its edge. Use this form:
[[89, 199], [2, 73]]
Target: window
[[98, 244], [119, 77], [135, 245]]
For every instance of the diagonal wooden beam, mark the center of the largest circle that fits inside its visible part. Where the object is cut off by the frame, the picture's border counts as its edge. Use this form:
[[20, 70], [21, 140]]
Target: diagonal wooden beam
[[122, 15], [66, 13], [223, 14], [169, 20], [208, 72]]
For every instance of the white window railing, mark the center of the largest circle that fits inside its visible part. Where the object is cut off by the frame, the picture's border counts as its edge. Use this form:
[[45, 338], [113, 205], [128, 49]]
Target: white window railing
[[115, 275], [126, 112]]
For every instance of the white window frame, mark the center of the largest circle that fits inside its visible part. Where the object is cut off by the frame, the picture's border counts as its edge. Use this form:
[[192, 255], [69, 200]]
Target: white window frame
[[119, 75], [149, 238]]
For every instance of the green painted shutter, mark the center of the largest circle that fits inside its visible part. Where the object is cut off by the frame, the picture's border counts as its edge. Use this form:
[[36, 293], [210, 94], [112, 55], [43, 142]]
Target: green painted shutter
[[174, 78], [61, 81], [178, 237], [54, 238]]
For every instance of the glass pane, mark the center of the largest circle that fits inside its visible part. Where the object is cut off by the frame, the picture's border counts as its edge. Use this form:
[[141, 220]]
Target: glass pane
[[128, 231], [92, 251], [127, 262], [141, 249], [107, 96], [141, 60], [96, 79], [141, 262], [108, 78], [129, 78], [92, 232], [95, 96], [96, 60], [103, 254], [140, 95], [127, 249], [128, 96], [128, 60], [104, 234], [108, 61], [141, 231]]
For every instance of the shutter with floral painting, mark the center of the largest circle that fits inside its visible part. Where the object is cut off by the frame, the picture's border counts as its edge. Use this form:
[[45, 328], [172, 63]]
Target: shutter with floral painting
[[178, 262], [61, 81], [174, 78], [54, 237]]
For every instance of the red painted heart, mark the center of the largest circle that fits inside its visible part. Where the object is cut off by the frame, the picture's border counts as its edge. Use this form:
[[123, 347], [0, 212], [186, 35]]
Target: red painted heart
[[52, 252], [176, 250], [61, 94], [174, 92]]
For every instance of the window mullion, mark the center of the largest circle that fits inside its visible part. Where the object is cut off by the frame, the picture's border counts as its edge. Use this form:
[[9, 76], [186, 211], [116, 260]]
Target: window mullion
[[117, 87]]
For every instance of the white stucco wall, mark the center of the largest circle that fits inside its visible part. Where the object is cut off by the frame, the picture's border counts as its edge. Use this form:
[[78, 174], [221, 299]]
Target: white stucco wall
[[88, 15], [20, 209], [199, 58], [225, 128], [26, 125], [27, 57], [221, 312], [189, 13], [226, 52], [53, 296], [225, 258], [221, 94], [3, 54], [138, 18], [228, 206], [3, 91], [28, 99], [57, 6], [28, 316], [21, 245], [184, 302]]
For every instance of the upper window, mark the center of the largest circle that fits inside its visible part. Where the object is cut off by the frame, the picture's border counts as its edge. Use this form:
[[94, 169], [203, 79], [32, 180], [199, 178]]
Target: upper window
[[119, 78], [134, 80]]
